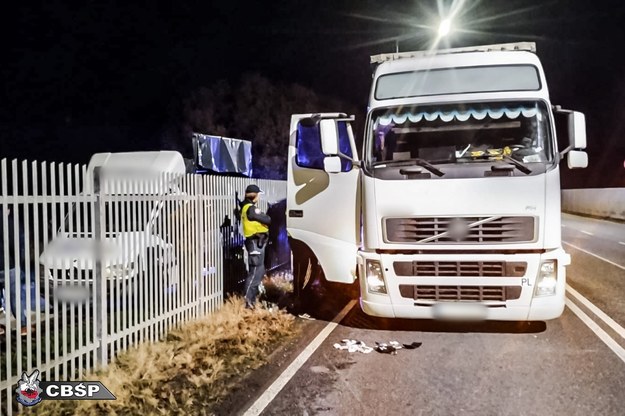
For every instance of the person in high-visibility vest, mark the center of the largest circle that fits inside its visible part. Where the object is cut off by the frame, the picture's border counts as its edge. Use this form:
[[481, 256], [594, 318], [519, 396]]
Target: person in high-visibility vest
[[256, 232]]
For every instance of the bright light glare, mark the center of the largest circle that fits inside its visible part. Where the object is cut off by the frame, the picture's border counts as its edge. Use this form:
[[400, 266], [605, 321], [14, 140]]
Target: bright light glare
[[444, 28]]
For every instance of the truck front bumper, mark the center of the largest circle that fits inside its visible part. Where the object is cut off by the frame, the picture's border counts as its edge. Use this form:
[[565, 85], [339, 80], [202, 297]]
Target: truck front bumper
[[524, 306]]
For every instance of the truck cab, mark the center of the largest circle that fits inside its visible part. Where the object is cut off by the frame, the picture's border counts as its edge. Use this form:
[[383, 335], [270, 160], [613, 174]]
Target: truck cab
[[452, 209]]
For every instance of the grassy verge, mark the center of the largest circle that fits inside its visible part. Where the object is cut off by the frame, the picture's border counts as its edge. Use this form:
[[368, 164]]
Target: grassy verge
[[190, 371]]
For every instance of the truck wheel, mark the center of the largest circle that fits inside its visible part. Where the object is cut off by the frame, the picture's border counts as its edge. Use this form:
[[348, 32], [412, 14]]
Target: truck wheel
[[302, 274], [301, 282], [305, 268], [307, 274]]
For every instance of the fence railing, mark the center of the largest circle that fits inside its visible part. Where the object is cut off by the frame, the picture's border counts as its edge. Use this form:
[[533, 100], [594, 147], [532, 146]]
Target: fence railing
[[87, 275]]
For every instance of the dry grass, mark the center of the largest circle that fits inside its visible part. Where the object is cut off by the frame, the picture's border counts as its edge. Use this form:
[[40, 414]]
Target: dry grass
[[190, 371]]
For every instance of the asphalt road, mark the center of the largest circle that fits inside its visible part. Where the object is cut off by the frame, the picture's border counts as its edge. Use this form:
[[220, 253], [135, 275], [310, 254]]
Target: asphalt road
[[574, 365]]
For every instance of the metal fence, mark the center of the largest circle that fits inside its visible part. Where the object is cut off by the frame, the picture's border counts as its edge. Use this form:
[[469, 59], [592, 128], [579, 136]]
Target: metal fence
[[94, 264]]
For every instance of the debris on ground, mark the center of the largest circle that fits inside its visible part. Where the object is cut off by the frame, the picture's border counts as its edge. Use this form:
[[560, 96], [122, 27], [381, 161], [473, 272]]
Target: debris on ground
[[352, 345], [392, 346], [413, 346], [385, 348], [306, 316]]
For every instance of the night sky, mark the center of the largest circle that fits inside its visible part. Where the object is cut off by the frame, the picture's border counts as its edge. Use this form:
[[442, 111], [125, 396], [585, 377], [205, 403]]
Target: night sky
[[102, 75]]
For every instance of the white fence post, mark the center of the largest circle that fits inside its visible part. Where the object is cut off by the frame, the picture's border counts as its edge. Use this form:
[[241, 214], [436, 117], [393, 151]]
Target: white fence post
[[201, 246], [99, 284]]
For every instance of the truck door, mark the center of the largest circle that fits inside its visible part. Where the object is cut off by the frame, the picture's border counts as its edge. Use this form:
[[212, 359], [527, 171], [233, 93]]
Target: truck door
[[323, 208]]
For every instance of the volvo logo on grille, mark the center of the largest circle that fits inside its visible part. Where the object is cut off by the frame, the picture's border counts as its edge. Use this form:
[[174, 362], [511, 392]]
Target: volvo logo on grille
[[458, 229]]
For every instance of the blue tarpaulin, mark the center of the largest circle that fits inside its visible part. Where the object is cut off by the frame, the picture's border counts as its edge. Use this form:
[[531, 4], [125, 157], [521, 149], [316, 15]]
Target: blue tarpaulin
[[223, 154]]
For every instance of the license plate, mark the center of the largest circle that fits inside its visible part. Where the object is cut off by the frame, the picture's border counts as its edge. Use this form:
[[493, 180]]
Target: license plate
[[460, 311]]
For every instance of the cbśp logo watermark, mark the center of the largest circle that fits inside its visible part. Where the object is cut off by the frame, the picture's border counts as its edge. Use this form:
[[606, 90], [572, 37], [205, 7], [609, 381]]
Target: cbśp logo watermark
[[30, 390]]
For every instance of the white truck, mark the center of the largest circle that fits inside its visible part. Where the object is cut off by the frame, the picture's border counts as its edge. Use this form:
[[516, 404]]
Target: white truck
[[453, 209]]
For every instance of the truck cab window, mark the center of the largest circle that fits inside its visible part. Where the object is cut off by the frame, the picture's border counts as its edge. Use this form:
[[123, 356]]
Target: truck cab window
[[309, 154]]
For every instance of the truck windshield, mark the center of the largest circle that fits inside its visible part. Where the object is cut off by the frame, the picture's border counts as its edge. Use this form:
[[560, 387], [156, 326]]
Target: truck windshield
[[461, 133]]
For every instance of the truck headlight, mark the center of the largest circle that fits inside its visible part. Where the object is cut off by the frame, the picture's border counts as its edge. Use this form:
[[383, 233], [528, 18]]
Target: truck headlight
[[547, 279], [375, 278]]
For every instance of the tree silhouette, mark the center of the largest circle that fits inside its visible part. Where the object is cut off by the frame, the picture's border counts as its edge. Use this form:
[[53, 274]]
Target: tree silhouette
[[255, 109]]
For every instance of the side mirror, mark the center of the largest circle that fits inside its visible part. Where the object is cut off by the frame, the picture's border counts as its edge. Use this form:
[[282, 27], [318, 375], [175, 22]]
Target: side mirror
[[328, 131], [332, 164], [577, 130], [577, 159]]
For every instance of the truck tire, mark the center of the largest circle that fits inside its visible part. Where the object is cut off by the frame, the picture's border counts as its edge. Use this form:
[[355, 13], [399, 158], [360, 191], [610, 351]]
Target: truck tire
[[302, 272], [307, 274], [305, 269]]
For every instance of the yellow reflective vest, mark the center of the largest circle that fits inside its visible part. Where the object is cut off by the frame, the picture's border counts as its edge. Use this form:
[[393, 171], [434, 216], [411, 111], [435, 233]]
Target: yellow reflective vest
[[251, 227]]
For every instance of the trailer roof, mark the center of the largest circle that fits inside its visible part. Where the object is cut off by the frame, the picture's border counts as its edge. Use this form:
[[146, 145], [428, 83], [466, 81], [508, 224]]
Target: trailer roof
[[518, 46]]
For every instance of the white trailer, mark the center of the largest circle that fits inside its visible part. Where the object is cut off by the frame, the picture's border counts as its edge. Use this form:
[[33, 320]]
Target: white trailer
[[453, 208]]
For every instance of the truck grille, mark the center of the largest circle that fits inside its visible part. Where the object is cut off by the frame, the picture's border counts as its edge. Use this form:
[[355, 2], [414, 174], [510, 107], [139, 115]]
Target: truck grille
[[460, 230], [460, 268], [460, 293]]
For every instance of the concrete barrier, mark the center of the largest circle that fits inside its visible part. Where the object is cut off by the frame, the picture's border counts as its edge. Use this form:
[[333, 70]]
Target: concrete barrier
[[598, 202]]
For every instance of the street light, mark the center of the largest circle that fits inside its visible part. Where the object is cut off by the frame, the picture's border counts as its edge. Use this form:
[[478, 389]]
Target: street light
[[444, 28]]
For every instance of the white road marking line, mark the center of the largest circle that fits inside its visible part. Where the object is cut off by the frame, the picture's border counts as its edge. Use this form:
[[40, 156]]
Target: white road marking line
[[603, 336], [275, 388], [594, 309], [586, 232], [595, 255], [621, 243]]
